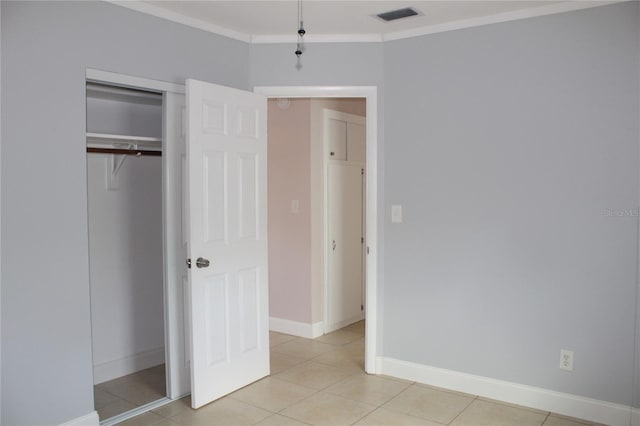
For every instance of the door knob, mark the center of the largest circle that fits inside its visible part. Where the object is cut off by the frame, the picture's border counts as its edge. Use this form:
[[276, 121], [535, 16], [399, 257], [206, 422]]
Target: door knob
[[202, 262]]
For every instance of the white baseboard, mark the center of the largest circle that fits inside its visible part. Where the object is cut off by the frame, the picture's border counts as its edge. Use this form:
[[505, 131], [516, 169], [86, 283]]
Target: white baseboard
[[344, 323], [123, 366], [295, 328], [635, 417], [317, 329], [542, 399], [90, 419]]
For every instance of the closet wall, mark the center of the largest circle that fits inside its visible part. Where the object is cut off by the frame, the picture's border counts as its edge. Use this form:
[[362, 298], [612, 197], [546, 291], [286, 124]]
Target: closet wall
[[125, 241]]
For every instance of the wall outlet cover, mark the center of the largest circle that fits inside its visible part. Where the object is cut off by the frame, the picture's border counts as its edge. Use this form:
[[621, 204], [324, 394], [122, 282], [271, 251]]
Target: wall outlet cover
[[566, 360]]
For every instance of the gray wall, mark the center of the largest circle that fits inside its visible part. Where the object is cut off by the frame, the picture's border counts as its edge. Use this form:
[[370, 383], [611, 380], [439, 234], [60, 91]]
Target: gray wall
[[509, 147], [521, 137], [125, 266], [46, 47]]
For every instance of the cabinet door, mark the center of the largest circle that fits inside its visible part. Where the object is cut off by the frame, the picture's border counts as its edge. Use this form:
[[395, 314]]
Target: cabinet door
[[337, 139], [356, 142]]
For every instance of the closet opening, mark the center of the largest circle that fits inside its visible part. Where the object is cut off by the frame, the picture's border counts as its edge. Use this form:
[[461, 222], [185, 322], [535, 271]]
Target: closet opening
[[126, 255]]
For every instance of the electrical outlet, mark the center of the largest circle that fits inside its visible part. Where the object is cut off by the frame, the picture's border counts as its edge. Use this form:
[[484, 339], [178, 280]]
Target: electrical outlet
[[566, 360]]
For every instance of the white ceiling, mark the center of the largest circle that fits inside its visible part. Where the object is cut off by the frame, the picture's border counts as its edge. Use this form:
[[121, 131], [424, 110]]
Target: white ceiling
[[269, 21]]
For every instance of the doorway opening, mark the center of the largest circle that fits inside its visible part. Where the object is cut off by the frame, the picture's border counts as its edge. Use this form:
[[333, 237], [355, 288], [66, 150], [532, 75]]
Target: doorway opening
[[317, 295]]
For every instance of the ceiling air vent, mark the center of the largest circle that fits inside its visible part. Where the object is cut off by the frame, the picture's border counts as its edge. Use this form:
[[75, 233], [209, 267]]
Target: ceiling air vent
[[397, 14]]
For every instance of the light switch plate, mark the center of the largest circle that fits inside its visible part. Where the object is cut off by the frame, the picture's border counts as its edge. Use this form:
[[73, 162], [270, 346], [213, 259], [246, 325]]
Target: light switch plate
[[396, 213], [295, 206]]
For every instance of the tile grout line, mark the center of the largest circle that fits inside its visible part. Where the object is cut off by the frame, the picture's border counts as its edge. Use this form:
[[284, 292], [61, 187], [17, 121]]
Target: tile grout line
[[368, 413], [475, 398]]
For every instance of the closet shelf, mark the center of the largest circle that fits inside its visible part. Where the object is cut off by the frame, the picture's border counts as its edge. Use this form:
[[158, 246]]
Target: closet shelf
[[117, 141], [122, 146]]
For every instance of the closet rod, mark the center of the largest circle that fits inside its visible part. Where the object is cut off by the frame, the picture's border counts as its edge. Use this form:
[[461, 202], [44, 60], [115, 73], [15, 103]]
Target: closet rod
[[136, 152]]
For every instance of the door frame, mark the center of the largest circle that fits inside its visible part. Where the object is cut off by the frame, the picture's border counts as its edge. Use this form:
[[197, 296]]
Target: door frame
[[370, 94], [171, 197]]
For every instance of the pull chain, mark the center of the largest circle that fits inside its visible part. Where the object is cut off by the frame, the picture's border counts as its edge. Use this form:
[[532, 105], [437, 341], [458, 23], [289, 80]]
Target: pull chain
[[301, 31]]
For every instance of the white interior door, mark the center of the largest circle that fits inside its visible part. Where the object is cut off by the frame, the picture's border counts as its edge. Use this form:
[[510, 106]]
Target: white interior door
[[227, 180], [345, 190]]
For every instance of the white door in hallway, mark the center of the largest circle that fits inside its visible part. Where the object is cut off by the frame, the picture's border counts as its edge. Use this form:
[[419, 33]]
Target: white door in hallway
[[345, 207], [227, 228]]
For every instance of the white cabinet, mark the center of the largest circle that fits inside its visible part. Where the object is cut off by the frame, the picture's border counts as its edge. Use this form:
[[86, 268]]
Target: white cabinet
[[337, 139], [346, 137], [356, 142]]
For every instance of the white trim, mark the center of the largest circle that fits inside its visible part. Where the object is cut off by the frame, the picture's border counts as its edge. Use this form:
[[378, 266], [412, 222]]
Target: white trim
[[370, 93], [318, 92], [529, 396], [124, 80], [344, 323], [175, 271], [136, 411], [121, 367], [90, 419], [317, 38], [295, 328], [379, 364], [532, 12], [160, 12], [317, 329]]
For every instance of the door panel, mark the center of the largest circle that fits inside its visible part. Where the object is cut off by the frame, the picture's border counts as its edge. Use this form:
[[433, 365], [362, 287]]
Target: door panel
[[215, 204], [337, 138], [356, 142], [215, 288], [226, 153], [249, 297], [346, 257], [248, 196]]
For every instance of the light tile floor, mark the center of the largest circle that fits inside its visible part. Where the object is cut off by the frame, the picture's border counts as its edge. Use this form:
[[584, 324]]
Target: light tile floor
[[322, 382], [128, 392]]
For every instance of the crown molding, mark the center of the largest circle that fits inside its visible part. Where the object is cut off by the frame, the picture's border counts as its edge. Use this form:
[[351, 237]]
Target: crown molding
[[159, 12], [533, 12], [317, 38]]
